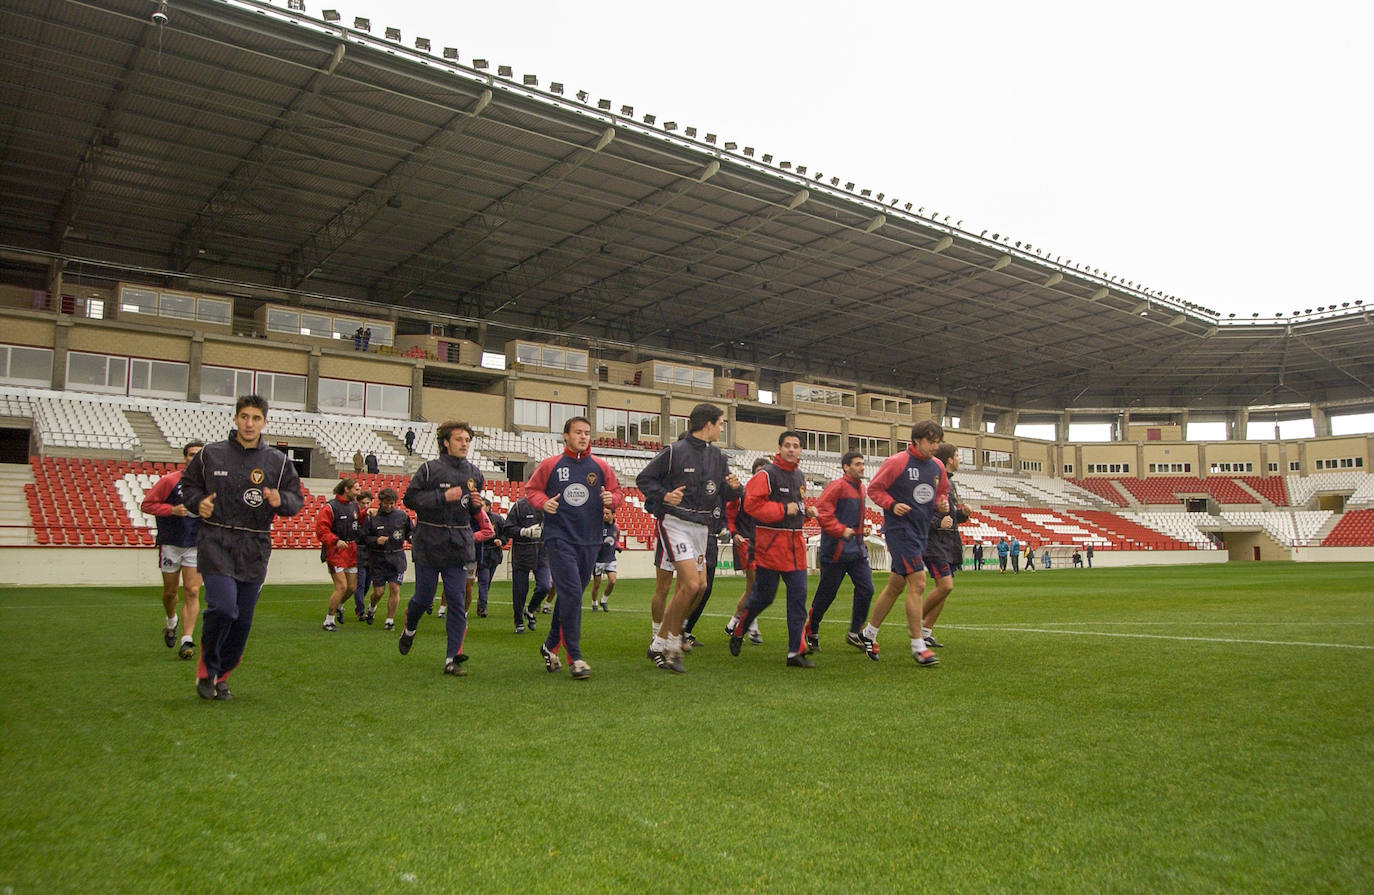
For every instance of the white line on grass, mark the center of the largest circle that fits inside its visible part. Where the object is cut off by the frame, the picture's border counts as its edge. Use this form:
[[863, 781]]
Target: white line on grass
[[1158, 636]]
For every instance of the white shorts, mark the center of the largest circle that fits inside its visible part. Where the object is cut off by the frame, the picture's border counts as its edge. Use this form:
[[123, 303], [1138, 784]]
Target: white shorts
[[171, 559], [602, 568], [681, 541], [334, 570]]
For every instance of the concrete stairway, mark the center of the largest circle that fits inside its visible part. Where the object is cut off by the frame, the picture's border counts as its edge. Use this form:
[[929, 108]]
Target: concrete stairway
[[15, 523], [153, 445]]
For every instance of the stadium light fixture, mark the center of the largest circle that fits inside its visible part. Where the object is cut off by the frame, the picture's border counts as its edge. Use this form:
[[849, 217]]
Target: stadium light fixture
[[627, 111], [422, 43], [767, 157], [731, 146], [331, 15], [784, 165], [451, 53], [865, 193], [849, 186], [649, 118], [504, 71], [362, 24], [690, 131], [556, 87], [298, 5], [670, 125], [530, 80], [801, 169], [582, 96], [480, 63], [604, 105], [710, 138], [393, 33], [880, 196], [749, 151]]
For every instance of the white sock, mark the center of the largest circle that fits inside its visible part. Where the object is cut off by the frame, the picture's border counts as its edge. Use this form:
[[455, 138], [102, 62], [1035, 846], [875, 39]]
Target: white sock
[[732, 623], [656, 626], [918, 644], [674, 644], [391, 621], [408, 632], [925, 632], [186, 638], [870, 632], [754, 628], [172, 621], [659, 644], [329, 619]]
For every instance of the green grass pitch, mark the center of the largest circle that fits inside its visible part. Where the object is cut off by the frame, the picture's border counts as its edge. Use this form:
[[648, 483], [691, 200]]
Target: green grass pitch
[[1185, 729]]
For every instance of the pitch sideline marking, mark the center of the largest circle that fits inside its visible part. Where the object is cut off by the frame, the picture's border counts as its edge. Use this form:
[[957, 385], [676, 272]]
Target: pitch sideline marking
[[1182, 637]]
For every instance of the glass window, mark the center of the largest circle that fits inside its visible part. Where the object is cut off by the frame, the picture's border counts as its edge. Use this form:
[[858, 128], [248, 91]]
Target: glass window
[[561, 413], [137, 301], [552, 357], [158, 379], [280, 320], [96, 372], [215, 310], [576, 361], [341, 396], [26, 366], [282, 390], [663, 373], [392, 401], [383, 334], [345, 327], [527, 354], [321, 326], [220, 385], [180, 307]]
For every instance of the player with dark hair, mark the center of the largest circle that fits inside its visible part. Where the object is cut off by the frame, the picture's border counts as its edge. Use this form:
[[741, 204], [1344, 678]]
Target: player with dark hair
[[944, 548], [605, 560], [445, 494], [911, 487], [365, 509], [742, 527], [573, 490], [489, 556], [336, 527], [524, 530], [385, 532], [236, 487], [842, 552], [176, 554], [775, 500], [684, 487]]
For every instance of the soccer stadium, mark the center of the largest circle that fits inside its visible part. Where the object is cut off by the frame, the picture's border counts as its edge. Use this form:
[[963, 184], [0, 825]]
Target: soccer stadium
[[204, 199]]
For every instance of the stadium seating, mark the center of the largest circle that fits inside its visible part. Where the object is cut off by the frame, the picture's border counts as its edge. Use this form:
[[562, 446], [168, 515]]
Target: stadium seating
[[1356, 529], [1103, 488]]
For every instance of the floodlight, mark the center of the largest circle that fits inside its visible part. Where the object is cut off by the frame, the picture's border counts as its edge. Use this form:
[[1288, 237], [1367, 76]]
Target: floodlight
[[504, 71], [604, 105], [530, 80], [556, 87], [331, 15], [422, 43], [690, 131], [480, 63], [451, 53], [627, 111], [731, 145], [393, 33]]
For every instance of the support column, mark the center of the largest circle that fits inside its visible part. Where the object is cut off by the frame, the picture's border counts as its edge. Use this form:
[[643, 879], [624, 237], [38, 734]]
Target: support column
[[1321, 422], [312, 382], [61, 337], [417, 390], [197, 356], [731, 439], [510, 403], [1123, 423]]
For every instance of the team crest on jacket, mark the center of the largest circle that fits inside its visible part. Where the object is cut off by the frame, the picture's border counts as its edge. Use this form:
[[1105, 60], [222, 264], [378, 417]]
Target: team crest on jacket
[[257, 476], [253, 497], [576, 494], [710, 487], [591, 480], [923, 493], [472, 484]]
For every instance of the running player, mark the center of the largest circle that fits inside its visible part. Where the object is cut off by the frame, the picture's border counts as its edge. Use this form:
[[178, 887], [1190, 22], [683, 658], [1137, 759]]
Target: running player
[[944, 548], [385, 533], [336, 527], [911, 487], [176, 554], [842, 552], [236, 487]]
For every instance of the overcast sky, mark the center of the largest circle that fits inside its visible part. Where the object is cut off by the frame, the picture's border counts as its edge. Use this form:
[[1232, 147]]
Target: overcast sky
[[1220, 152]]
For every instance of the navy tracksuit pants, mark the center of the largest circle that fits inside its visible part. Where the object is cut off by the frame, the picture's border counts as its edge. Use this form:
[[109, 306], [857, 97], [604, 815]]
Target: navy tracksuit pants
[[832, 576], [765, 589], [520, 586], [426, 585], [229, 605], [571, 567]]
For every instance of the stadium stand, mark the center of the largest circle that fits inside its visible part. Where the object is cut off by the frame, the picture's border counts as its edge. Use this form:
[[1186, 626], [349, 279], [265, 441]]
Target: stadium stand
[[1103, 488], [1355, 529]]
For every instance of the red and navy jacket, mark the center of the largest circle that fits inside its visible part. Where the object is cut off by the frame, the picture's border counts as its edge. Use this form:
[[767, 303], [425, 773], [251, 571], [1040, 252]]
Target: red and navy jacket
[[161, 499], [841, 506], [915, 480], [778, 540], [740, 523], [336, 520], [576, 480]]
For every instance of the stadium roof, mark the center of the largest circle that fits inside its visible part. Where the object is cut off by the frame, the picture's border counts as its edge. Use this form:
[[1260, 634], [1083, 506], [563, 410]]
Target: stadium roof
[[250, 144]]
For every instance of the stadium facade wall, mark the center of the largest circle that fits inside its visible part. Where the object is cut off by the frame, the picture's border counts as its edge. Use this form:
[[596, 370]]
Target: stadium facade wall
[[1333, 554], [442, 404]]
